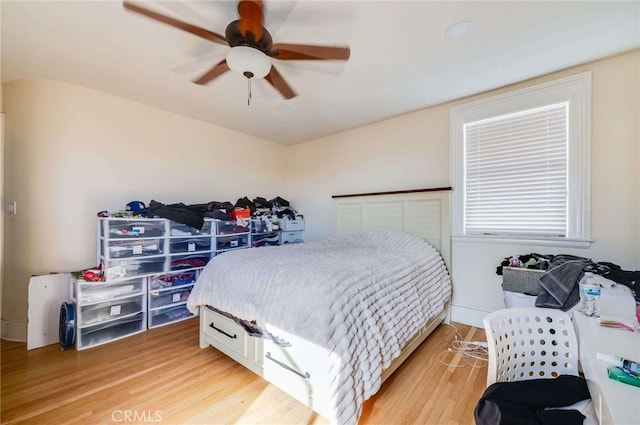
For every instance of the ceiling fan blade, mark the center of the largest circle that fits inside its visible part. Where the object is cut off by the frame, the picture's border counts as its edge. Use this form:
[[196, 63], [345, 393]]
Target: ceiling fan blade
[[276, 80], [219, 69], [200, 32], [251, 18], [285, 51]]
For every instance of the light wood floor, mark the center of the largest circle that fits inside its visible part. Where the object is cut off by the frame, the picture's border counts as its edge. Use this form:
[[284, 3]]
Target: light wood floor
[[162, 376]]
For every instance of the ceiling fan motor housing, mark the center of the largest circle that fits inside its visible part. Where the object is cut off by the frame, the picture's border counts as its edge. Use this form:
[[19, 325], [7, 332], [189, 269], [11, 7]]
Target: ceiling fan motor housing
[[236, 38]]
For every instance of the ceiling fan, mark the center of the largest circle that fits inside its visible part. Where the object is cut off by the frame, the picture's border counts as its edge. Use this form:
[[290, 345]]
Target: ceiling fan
[[252, 48]]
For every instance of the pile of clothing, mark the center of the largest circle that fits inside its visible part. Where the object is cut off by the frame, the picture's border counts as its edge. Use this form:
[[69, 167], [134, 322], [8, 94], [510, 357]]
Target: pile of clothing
[[193, 215], [260, 207], [528, 261], [559, 284]]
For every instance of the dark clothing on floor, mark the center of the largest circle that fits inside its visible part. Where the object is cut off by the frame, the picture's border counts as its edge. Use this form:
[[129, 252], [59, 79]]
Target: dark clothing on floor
[[524, 402]]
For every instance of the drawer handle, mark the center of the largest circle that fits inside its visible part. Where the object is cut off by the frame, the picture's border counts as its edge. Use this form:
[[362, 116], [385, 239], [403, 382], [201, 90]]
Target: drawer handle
[[234, 336], [287, 367]]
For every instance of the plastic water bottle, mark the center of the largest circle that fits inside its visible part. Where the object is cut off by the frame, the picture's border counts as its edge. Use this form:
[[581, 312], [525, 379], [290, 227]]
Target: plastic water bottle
[[590, 295]]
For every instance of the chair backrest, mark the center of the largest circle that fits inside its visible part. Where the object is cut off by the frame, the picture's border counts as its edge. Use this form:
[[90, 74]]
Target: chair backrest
[[529, 343]]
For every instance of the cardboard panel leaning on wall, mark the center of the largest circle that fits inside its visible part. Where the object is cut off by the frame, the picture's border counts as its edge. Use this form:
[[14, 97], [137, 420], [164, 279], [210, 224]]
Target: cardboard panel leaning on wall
[[71, 152]]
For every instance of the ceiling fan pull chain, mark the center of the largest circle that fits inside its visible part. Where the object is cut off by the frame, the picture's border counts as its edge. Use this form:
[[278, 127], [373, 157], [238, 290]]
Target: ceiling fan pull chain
[[248, 91]]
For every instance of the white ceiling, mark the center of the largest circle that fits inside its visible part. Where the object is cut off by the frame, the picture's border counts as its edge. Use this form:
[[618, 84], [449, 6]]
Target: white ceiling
[[400, 60]]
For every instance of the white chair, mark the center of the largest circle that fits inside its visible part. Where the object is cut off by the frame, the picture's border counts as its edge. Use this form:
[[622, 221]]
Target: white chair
[[532, 343]]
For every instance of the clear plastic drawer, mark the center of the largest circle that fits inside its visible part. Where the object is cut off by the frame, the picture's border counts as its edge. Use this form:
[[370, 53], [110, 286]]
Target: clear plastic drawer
[[110, 310], [168, 315], [168, 297], [179, 229], [95, 292], [107, 332], [290, 237], [265, 226], [292, 225], [134, 248], [232, 227], [131, 228], [120, 269], [172, 280], [232, 242], [178, 245], [189, 262], [265, 239]]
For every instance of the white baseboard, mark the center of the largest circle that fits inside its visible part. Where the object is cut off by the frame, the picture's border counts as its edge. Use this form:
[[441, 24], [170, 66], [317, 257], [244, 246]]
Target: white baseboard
[[14, 331], [468, 316]]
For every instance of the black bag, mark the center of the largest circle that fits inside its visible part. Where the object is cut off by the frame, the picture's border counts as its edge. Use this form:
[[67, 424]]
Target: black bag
[[624, 277], [246, 203]]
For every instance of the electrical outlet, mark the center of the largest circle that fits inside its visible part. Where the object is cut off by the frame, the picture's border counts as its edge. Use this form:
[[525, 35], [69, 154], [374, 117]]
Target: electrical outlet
[[12, 208]]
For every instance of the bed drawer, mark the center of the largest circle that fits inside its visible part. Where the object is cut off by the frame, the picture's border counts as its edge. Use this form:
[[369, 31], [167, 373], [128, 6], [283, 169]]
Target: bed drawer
[[224, 333], [301, 370]]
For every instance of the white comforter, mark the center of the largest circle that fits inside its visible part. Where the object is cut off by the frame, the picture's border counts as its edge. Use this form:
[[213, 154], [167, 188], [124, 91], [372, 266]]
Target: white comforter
[[362, 295]]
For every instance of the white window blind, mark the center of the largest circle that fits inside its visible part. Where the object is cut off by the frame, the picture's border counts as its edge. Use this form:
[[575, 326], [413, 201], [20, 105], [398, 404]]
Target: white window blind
[[516, 181], [520, 165]]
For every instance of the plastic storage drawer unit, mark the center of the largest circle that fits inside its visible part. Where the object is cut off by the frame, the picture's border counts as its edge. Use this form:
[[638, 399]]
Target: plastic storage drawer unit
[[172, 280], [95, 292], [134, 248], [168, 315], [224, 243], [168, 297], [179, 229], [122, 269], [101, 333], [190, 245], [290, 237], [292, 225], [232, 227], [109, 310], [184, 262], [127, 228]]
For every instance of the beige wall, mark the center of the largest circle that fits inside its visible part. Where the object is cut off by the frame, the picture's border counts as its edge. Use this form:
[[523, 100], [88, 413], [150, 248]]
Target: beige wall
[[71, 152], [408, 152], [412, 151]]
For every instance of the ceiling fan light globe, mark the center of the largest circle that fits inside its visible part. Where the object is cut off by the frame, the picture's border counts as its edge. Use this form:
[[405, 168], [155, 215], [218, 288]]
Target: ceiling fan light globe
[[244, 59]]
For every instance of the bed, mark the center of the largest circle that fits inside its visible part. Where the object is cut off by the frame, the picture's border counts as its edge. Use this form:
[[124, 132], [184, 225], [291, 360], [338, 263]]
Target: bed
[[328, 321]]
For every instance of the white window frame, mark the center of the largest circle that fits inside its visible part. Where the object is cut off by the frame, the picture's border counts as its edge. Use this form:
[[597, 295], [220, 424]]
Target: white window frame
[[576, 90]]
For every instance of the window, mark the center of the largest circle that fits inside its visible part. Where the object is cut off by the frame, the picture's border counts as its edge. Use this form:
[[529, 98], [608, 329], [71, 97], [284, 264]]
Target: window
[[521, 164]]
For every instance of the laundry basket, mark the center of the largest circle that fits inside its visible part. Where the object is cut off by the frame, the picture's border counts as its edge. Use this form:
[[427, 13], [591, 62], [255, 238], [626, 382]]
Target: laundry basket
[[520, 286]]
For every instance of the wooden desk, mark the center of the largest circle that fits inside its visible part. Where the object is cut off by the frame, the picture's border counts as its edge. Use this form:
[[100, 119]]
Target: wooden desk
[[615, 403]]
